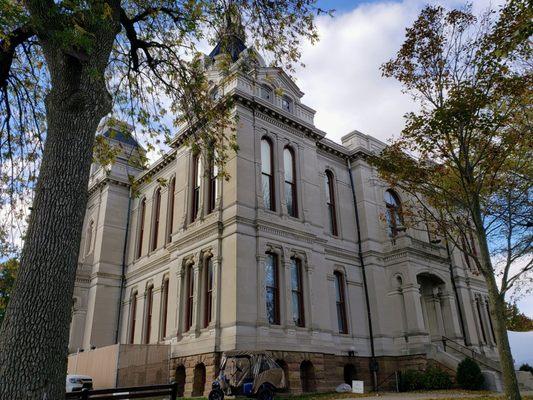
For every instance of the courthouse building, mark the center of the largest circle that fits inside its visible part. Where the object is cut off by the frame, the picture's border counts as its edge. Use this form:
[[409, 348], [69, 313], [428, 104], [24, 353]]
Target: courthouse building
[[301, 253]]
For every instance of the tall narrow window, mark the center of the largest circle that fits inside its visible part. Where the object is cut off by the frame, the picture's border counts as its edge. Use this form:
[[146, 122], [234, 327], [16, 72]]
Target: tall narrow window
[[156, 218], [297, 292], [330, 204], [170, 210], [394, 213], [267, 173], [290, 182], [89, 237], [480, 317], [133, 316], [272, 288], [142, 214], [149, 308], [490, 321], [197, 179], [340, 302], [190, 298], [213, 193], [208, 307], [164, 308]]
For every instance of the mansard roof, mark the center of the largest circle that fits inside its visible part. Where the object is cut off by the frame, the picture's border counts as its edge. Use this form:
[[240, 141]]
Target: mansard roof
[[233, 46], [122, 137]]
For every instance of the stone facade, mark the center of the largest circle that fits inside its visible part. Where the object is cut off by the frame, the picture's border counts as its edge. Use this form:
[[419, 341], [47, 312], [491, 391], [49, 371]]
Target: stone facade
[[190, 262]]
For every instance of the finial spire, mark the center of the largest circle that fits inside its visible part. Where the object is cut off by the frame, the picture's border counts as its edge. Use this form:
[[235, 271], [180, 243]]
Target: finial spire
[[232, 35]]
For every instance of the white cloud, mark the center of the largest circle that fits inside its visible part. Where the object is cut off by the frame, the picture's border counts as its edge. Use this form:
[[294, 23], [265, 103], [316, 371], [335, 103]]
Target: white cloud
[[342, 80]]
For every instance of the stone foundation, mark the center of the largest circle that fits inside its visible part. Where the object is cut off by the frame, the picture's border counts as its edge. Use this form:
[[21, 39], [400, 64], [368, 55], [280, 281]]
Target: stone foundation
[[305, 372]]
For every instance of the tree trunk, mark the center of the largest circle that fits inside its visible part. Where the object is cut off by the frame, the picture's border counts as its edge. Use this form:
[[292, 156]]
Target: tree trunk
[[34, 335], [497, 312]]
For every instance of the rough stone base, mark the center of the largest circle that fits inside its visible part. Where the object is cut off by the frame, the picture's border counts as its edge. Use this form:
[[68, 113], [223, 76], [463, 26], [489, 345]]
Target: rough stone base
[[305, 372]]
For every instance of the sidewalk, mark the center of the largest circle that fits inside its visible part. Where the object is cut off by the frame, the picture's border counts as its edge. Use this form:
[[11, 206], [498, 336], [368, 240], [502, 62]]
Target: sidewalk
[[436, 395]]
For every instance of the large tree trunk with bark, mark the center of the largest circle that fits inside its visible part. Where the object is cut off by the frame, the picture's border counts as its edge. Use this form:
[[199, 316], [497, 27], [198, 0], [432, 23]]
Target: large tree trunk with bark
[[34, 335], [498, 312]]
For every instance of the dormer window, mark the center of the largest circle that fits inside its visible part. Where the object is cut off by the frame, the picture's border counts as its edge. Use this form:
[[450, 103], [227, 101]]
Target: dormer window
[[266, 93], [215, 94], [286, 103]]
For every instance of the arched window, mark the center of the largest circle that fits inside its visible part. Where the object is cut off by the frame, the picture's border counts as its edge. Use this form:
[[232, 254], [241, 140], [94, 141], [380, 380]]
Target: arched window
[[208, 295], [330, 203], [140, 237], [149, 307], [297, 292], [286, 103], [266, 93], [340, 302], [267, 173], [164, 308], [156, 217], [89, 237], [272, 288], [170, 209], [197, 180], [394, 213], [215, 93], [290, 182], [133, 316], [189, 298], [213, 193]]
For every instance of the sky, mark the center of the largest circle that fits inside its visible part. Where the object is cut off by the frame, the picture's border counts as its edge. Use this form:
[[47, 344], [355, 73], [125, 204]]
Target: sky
[[342, 81]]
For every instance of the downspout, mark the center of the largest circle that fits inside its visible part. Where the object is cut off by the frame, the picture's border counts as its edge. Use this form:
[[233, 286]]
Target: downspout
[[452, 278], [373, 361], [123, 273]]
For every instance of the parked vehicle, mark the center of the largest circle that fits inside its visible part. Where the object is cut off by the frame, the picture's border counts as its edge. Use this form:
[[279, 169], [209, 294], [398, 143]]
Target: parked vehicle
[[77, 382], [252, 374]]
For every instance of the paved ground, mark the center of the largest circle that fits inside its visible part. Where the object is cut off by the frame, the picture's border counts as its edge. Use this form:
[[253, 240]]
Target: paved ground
[[431, 395]]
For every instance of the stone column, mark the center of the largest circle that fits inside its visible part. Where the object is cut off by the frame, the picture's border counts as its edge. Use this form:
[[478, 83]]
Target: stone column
[[76, 330], [217, 272], [451, 316], [195, 326], [285, 293], [261, 290], [413, 310], [308, 294], [178, 302], [438, 313]]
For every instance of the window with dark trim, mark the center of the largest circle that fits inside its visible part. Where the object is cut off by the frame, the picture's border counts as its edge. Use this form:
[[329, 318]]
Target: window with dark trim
[[133, 316], [291, 199], [208, 295], [164, 308], [491, 326], [156, 218], [213, 193], [197, 179], [266, 93], [480, 317], [272, 288], [170, 209], [142, 214], [394, 213], [149, 308], [267, 173], [340, 302], [189, 298], [286, 103], [298, 315], [330, 204]]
